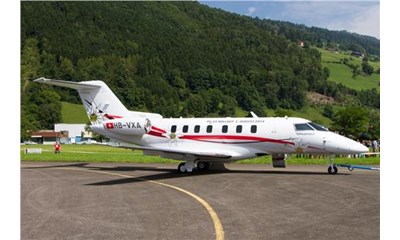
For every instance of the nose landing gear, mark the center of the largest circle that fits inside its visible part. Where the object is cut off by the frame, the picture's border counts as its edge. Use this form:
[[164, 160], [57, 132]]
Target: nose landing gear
[[332, 169]]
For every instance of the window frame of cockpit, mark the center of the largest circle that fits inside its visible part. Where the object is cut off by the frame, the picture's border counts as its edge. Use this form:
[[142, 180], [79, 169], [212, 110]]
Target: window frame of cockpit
[[302, 124], [311, 127], [317, 127]]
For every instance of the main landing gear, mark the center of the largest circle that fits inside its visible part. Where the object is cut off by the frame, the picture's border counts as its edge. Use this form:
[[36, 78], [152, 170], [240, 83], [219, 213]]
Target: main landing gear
[[188, 167], [202, 166], [332, 169]]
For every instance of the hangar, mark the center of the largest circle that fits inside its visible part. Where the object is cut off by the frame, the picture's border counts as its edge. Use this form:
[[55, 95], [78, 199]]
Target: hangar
[[76, 132], [49, 136], [63, 133]]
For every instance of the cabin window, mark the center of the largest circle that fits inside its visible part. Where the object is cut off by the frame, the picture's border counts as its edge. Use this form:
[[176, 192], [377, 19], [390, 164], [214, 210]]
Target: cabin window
[[225, 128], [173, 128], [239, 128], [185, 128], [209, 128], [197, 128], [253, 129], [303, 127], [317, 127]]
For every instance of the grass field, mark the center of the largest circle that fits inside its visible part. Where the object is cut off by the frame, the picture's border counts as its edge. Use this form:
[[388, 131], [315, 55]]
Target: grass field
[[340, 73], [89, 153], [97, 153], [330, 56], [73, 113]]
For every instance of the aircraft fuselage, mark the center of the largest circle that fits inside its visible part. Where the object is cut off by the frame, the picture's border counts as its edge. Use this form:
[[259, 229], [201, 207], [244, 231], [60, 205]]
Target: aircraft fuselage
[[248, 137]]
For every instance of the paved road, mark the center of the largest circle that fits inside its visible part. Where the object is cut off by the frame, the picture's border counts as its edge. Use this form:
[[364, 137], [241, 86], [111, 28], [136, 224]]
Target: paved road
[[147, 201]]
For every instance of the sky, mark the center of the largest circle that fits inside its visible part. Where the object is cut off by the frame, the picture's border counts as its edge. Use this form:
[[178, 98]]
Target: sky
[[361, 17]]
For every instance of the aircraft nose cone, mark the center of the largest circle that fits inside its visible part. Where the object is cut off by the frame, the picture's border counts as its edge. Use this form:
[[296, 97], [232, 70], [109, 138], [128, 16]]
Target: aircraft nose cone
[[343, 145], [358, 148]]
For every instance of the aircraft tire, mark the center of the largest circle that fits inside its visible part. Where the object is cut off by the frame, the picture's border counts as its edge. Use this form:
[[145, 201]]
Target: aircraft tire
[[332, 170], [203, 165], [182, 168]]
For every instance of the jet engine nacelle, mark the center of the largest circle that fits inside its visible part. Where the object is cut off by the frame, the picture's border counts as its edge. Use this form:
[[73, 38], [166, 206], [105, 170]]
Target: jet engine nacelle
[[127, 126]]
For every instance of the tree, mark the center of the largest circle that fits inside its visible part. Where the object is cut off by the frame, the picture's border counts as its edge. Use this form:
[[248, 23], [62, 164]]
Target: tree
[[67, 69], [28, 123], [367, 69], [228, 107], [356, 71], [195, 106], [30, 62], [328, 111], [43, 104], [374, 124], [351, 121], [327, 72]]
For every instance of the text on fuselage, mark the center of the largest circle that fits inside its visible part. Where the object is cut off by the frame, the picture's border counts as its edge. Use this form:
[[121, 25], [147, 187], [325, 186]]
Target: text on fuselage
[[124, 125]]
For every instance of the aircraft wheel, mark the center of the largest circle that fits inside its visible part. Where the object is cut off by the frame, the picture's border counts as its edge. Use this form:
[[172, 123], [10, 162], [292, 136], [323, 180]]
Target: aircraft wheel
[[181, 168], [332, 170], [203, 165]]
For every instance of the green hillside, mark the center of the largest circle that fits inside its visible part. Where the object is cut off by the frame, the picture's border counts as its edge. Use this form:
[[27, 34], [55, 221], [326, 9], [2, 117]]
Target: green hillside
[[73, 113], [341, 73]]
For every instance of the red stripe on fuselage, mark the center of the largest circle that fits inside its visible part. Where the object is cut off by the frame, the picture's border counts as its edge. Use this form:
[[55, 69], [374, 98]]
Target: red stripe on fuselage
[[233, 137], [111, 116], [156, 134], [158, 129]]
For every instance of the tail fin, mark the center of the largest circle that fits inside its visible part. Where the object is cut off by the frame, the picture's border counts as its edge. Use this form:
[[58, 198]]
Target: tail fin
[[99, 101]]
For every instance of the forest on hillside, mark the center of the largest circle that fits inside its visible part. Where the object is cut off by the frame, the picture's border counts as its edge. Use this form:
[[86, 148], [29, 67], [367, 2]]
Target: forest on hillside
[[174, 58]]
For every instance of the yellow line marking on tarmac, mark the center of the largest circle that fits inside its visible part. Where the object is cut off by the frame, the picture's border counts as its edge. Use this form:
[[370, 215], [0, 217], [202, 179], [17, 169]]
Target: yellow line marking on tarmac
[[219, 231]]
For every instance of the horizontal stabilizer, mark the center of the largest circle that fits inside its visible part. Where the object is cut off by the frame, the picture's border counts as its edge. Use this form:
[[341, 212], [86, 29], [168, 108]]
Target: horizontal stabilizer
[[69, 84]]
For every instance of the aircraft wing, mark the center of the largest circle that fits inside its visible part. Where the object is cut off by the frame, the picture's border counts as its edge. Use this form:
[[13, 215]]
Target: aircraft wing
[[177, 154]]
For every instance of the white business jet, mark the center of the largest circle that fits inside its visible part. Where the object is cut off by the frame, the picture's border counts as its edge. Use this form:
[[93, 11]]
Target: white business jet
[[205, 141]]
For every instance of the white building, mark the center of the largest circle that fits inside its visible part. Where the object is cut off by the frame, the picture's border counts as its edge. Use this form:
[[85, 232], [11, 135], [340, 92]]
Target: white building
[[75, 131]]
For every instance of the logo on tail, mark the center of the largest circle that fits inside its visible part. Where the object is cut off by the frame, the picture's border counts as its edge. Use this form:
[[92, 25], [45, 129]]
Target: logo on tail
[[97, 113]]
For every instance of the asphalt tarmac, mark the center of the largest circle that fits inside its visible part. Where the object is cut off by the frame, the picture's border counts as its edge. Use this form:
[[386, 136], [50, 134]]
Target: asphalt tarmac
[[152, 201]]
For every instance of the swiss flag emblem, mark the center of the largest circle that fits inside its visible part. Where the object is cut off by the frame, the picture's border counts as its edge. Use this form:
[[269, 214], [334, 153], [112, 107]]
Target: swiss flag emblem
[[109, 125]]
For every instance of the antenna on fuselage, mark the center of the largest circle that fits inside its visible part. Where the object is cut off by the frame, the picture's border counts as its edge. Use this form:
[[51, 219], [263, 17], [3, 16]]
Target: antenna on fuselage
[[253, 114]]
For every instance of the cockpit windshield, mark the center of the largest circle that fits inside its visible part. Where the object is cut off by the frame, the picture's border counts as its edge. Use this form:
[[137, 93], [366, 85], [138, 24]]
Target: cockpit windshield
[[303, 127], [310, 126], [318, 127]]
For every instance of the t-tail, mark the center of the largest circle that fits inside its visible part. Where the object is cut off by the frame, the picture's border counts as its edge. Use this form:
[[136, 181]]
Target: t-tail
[[99, 101]]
